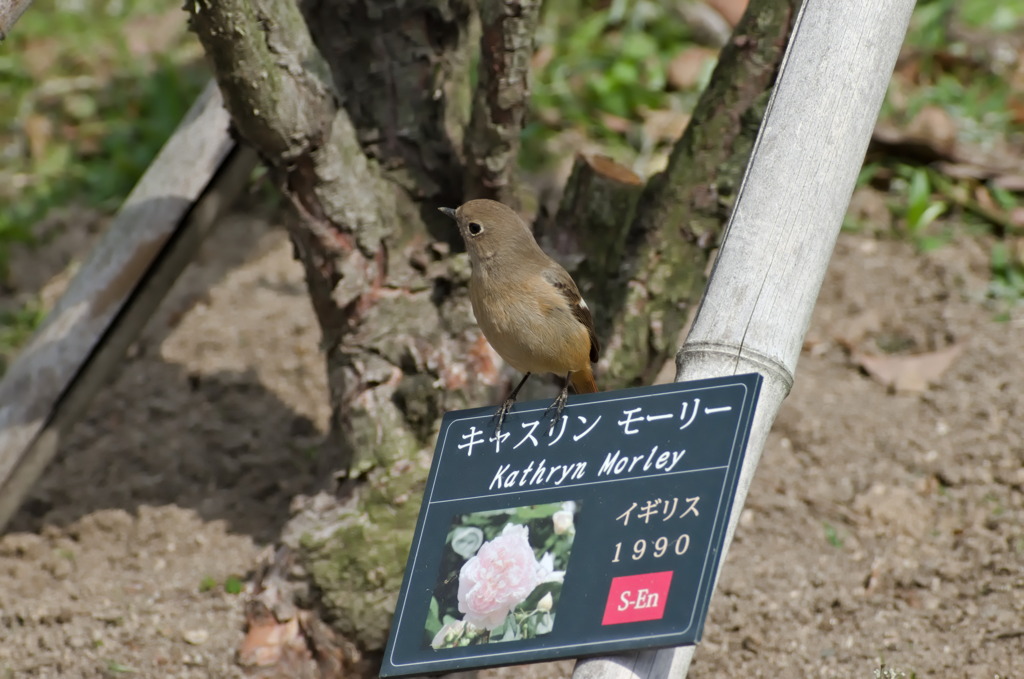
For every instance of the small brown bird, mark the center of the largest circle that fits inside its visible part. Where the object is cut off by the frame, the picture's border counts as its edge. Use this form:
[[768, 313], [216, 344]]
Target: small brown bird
[[527, 305]]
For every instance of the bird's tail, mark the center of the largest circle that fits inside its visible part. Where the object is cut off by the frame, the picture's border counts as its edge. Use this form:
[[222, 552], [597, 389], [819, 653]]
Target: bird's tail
[[583, 382]]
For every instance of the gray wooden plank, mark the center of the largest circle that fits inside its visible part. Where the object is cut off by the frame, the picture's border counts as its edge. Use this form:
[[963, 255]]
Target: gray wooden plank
[[152, 219]]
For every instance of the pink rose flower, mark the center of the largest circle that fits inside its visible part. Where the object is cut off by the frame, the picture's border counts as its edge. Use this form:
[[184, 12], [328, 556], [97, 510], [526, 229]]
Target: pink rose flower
[[498, 578]]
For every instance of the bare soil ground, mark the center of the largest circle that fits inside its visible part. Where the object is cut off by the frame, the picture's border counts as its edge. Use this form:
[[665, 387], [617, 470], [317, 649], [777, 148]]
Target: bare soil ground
[[881, 528]]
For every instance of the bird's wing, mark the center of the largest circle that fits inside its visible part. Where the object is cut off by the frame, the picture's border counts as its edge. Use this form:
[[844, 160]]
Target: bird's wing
[[564, 283]]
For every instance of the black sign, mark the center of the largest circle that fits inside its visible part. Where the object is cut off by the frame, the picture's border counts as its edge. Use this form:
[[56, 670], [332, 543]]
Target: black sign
[[598, 534]]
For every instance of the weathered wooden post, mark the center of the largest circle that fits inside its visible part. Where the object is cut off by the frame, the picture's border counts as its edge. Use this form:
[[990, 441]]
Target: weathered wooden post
[[198, 173], [758, 303]]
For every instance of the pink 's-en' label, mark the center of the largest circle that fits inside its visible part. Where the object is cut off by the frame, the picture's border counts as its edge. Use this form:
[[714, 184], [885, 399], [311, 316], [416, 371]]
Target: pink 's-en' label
[[635, 598]]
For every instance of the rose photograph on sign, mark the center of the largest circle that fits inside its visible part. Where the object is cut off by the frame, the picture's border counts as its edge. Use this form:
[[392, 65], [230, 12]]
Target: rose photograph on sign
[[501, 575]]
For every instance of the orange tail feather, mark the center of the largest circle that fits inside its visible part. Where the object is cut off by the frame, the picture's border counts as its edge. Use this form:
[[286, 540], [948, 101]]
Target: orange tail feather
[[583, 382]]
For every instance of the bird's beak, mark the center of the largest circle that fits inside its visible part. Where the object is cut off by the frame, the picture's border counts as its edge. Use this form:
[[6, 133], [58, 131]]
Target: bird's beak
[[447, 211]]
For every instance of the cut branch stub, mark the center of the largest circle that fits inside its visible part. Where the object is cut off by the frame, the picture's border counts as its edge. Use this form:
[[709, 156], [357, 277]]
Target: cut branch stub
[[592, 222], [596, 210]]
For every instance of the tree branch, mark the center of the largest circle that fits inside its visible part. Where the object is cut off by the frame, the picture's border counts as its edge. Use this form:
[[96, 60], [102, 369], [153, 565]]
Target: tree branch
[[401, 70], [499, 103], [276, 86], [261, 52], [683, 210]]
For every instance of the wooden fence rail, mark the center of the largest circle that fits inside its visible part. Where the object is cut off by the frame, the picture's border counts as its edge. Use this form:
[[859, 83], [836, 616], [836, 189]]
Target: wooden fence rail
[[199, 171]]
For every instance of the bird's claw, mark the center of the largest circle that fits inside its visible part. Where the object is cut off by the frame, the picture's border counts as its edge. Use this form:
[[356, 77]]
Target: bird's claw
[[503, 410], [558, 405]]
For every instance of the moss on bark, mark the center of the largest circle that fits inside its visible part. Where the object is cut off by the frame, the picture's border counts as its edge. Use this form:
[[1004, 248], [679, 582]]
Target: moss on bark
[[357, 567]]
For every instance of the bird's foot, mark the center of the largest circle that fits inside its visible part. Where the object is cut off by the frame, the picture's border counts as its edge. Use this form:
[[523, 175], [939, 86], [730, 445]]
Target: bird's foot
[[503, 410], [506, 407], [558, 405]]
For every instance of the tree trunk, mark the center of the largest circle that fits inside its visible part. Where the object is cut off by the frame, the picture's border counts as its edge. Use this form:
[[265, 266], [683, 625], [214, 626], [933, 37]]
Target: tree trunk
[[365, 152], [362, 111]]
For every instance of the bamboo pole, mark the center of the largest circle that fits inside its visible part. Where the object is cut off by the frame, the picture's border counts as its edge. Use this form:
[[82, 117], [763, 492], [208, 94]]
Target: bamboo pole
[[758, 302], [10, 12]]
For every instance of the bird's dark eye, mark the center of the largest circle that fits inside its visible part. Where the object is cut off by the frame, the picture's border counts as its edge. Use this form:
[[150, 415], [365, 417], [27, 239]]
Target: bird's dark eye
[[475, 229]]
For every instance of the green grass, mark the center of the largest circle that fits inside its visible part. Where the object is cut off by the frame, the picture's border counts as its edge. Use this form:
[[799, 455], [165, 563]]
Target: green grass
[[93, 88], [116, 667], [603, 66], [922, 208], [232, 584], [15, 329], [951, 62], [1007, 265], [832, 535]]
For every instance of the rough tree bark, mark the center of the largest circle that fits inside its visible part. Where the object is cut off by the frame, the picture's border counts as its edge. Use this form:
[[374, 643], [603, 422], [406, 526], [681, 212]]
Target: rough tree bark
[[362, 111], [492, 145], [361, 148]]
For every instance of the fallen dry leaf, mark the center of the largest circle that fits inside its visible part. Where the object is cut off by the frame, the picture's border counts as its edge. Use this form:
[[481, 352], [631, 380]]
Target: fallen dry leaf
[[685, 69], [1017, 251], [1010, 182], [708, 26], [39, 131], [850, 331], [731, 10], [39, 56], [1017, 111], [155, 33], [911, 373], [984, 198], [662, 126], [616, 123], [608, 167], [931, 139], [926, 143], [266, 641], [935, 127], [541, 58], [1016, 216]]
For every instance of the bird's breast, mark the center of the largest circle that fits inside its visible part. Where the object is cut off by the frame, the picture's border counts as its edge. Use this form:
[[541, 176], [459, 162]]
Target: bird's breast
[[530, 326]]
